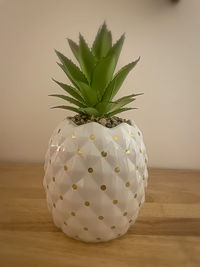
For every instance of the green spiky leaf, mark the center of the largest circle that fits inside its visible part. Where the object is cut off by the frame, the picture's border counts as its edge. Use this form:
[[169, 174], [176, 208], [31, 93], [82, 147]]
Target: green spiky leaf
[[119, 111], [128, 96], [69, 108], [86, 59], [102, 74], [88, 94], [90, 111], [120, 103], [75, 48], [116, 83], [116, 49], [70, 90], [102, 42], [103, 107], [73, 72], [110, 38], [69, 99]]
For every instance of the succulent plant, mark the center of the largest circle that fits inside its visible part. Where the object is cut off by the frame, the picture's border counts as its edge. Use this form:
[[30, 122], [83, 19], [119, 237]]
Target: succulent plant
[[94, 84]]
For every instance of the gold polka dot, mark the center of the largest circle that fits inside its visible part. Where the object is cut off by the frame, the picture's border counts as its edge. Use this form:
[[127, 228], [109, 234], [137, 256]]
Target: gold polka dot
[[87, 203], [135, 195], [130, 221], [139, 133], [103, 154], [119, 234], [113, 227], [74, 186], [100, 217], [117, 169], [59, 148], [59, 130], [76, 236], [61, 197], [72, 135], [73, 213], [79, 152], [65, 223], [54, 179], [131, 134], [90, 170], [115, 137], [128, 152], [98, 238], [125, 213], [127, 184], [136, 167], [92, 136], [103, 187], [115, 201], [85, 228], [54, 205], [65, 168], [140, 150]]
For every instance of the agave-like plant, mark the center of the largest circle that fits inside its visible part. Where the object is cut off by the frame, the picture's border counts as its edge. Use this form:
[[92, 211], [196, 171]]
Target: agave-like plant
[[94, 83]]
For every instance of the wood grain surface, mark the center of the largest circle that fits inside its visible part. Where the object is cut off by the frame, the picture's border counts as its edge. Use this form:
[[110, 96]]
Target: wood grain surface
[[167, 232]]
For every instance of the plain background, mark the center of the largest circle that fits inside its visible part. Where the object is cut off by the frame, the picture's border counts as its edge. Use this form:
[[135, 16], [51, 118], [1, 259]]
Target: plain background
[[165, 35]]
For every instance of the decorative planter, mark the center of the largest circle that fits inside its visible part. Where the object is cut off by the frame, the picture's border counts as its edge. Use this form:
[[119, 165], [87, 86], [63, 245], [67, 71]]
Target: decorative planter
[[95, 179]]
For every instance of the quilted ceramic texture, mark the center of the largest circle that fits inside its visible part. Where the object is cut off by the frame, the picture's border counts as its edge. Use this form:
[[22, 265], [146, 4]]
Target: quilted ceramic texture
[[95, 179]]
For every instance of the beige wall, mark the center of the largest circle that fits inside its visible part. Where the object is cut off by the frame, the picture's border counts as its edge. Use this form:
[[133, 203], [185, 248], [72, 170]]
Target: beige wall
[[165, 35]]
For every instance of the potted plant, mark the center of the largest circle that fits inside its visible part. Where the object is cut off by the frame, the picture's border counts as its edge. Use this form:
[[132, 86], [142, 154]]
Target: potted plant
[[96, 162]]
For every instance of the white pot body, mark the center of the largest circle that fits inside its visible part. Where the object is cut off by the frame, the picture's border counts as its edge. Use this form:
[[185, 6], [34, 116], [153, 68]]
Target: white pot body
[[95, 179]]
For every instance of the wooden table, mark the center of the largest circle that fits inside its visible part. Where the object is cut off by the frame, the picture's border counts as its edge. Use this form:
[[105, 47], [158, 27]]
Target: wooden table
[[167, 232]]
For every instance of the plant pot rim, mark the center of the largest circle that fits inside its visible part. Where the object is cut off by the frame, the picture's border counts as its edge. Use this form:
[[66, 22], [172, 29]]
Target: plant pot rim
[[100, 125]]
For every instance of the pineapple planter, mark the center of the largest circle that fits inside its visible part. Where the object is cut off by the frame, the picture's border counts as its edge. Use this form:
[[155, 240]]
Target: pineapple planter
[[95, 165]]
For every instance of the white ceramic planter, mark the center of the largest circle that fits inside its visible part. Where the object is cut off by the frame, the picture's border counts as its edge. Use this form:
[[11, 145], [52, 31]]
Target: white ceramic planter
[[95, 179]]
